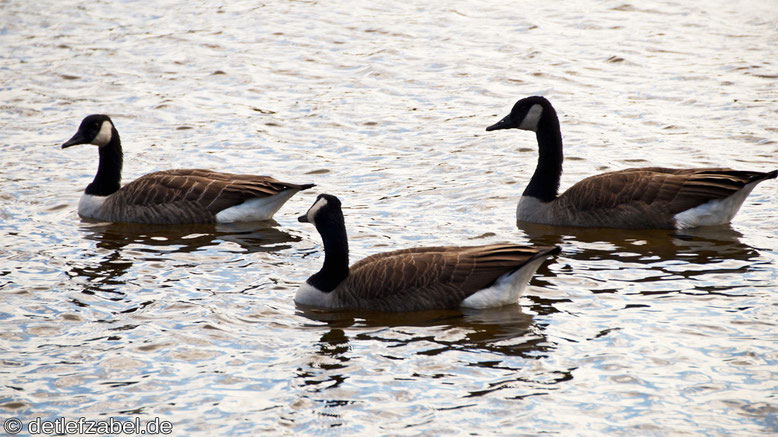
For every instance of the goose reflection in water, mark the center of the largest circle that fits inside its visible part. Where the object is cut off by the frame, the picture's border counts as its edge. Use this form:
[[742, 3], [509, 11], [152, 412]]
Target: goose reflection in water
[[497, 341], [157, 242], [506, 329], [610, 260], [250, 237], [698, 244]]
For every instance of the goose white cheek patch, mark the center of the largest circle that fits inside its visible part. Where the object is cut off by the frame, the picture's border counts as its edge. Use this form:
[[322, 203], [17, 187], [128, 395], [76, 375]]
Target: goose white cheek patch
[[532, 118], [315, 209], [104, 136]]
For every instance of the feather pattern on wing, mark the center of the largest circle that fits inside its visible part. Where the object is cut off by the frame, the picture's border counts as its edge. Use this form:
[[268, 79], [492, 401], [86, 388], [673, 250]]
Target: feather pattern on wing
[[187, 195], [430, 277], [646, 197]]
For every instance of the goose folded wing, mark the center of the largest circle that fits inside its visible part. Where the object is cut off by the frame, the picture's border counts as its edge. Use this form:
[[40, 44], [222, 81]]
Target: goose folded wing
[[432, 277], [676, 189], [704, 185], [212, 190]]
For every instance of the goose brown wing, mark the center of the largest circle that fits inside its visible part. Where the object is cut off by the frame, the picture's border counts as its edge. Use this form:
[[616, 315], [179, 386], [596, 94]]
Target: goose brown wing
[[211, 190], [675, 189], [432, 277]]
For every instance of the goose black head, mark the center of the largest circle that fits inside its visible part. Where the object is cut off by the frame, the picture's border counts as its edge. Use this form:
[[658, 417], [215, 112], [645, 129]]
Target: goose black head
[[95, 129], [325, 207], [525, 115]]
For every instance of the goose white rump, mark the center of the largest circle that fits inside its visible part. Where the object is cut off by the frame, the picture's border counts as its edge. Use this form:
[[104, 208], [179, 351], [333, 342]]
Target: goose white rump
[[257, 209], [506, 290]]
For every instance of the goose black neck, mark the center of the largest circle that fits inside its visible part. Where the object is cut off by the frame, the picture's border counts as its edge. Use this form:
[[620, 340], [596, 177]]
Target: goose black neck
[[109, 171], [335, 269], [544, 184]]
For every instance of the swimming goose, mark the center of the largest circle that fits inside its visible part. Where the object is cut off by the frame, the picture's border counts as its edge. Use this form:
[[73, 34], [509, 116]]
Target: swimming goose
[[421, 278], [182, 196], [637, 198]]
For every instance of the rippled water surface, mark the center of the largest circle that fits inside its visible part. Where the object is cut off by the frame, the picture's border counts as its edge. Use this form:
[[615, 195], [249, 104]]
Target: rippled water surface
[[384, 104]]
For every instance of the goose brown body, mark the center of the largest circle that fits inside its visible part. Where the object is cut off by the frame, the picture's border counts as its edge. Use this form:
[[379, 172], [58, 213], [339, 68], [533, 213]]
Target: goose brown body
[[187, 196], [430, 277], [638, 198], [180, 196], [414, 279]]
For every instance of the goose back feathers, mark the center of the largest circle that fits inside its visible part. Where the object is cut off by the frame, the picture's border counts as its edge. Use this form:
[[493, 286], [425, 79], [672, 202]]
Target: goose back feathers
[[436, 277], [414, 279], [173, 196], [647, 198], [194, 196]]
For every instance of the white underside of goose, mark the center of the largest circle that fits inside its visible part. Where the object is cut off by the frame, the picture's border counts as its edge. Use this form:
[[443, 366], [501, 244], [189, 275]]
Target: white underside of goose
[[260, 208], [506, 290], [89, 205], [307, 294], [715, 212], [531, 209]]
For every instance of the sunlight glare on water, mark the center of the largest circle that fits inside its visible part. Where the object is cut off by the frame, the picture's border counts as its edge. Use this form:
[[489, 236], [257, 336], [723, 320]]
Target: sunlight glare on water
[[385, 105]]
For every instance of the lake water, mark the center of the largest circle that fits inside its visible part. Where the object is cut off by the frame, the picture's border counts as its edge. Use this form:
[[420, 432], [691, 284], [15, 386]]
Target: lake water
[[385, 104]]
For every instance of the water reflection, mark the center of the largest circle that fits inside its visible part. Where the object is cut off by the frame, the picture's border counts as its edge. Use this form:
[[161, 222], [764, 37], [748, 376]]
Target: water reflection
[[104, 276], [703, 261], [698, 245], [648, 249], [448, 357], [505, 330], [121, 245], [331, 358], [250, 237]]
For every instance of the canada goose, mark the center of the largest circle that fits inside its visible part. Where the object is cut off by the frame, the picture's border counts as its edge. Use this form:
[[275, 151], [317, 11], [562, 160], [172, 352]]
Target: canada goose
[[421, 278], [183, 196], [637, 198]]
